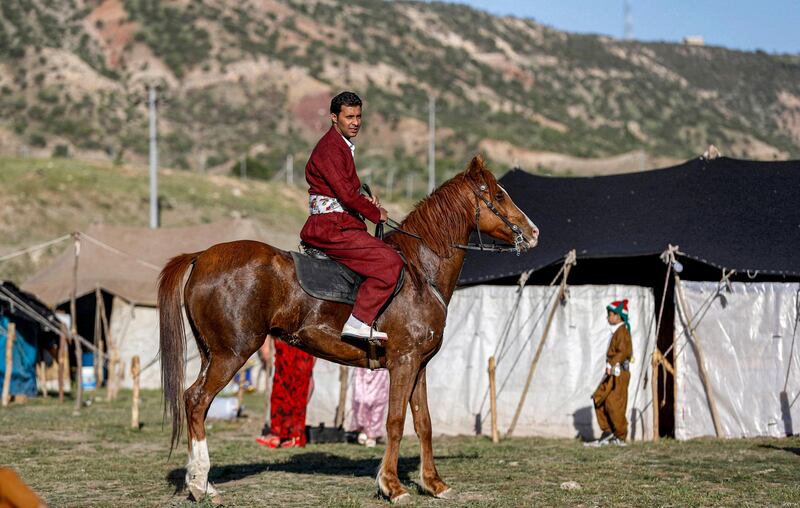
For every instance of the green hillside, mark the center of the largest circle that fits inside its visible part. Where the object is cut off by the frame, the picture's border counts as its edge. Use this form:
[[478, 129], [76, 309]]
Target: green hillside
[[246, 78]]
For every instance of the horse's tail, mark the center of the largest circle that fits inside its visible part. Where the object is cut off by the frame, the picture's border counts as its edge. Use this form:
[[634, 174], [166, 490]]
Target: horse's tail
[[172, 347]]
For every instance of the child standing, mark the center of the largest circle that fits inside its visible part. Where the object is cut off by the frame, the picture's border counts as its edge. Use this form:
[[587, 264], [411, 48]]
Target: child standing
[[611, 397]]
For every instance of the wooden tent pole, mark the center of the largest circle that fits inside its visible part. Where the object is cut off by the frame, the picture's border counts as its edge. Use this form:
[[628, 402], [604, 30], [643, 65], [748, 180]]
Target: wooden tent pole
[[10, 336], [568, 264], [74, 327], [98, 338], [339, 421], [668, 257], [493, 400], [135, 371], [712, 402], [62, 365], [113, 381], [658, 359]]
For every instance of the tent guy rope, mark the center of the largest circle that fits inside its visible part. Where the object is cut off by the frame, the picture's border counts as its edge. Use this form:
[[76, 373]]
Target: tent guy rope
[[569, 262], [34, 248], [504, 345]]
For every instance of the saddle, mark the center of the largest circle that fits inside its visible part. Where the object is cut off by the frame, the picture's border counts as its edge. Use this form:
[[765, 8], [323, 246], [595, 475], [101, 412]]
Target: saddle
[[326, 279]]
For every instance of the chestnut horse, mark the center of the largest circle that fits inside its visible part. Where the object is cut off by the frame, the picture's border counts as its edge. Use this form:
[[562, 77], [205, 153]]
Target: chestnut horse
[[240, 292]]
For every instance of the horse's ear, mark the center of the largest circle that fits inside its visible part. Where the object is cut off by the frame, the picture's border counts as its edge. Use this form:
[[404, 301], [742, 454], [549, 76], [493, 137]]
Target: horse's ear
[[476, 167]]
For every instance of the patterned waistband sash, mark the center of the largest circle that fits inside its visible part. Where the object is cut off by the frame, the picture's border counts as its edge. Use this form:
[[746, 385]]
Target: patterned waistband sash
[[318, 204]]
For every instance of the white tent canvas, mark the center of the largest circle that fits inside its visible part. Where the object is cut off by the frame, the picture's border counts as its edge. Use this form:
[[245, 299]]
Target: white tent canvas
[[570, 368], [748, 336], [134, 329]]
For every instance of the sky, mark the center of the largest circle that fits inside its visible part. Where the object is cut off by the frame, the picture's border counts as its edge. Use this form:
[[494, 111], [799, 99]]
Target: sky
[[769, 25]]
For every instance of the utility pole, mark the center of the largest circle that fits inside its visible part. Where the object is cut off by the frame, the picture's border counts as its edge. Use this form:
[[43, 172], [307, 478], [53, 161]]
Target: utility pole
[[390, 182], [290, 169], [431, 143], [151, 101]]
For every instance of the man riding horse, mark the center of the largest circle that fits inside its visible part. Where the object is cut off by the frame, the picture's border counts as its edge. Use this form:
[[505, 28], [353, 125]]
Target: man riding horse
[[238, 293], [335, 227]]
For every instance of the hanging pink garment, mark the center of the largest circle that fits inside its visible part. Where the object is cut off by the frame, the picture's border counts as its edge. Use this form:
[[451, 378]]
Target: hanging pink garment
[[370, 399]]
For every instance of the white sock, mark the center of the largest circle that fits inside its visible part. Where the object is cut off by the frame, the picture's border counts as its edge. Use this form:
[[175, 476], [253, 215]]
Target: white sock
[[355, 322]]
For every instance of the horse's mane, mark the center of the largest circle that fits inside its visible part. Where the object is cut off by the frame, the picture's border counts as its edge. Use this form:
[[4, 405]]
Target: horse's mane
[[443, 216]]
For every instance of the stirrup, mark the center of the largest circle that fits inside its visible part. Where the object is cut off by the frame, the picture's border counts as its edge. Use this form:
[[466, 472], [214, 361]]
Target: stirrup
[[373, 336]]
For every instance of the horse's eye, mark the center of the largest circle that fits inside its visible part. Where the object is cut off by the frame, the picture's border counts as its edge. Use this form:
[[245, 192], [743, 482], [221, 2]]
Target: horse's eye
[[499, 196]]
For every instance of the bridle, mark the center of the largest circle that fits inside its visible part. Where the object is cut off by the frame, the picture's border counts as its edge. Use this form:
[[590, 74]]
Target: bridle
[[479, 191], [519, 238]]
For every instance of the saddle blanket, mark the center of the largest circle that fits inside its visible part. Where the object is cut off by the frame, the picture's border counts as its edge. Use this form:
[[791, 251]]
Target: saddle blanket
[[327, 279]]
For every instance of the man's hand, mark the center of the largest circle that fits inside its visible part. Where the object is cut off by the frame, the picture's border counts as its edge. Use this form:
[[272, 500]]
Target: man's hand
[[384, 213], [374, 200]]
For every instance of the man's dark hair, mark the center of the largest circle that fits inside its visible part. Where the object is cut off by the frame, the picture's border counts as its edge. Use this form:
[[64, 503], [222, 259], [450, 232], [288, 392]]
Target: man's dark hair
[[344, 99]]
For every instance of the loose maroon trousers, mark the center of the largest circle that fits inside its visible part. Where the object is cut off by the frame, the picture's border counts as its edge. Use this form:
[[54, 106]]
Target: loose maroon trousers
[[290, 392], [346, 240]]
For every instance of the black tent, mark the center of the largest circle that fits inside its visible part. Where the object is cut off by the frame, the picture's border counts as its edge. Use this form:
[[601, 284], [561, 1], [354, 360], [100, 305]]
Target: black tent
[[722, 213], [727, 213]]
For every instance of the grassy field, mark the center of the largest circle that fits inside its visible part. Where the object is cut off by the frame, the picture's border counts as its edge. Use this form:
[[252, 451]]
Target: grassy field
[[95, 459]]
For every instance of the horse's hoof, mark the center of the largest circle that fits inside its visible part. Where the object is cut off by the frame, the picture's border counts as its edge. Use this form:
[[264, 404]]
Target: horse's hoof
[[448, 493], [198, 493], [402, 499]]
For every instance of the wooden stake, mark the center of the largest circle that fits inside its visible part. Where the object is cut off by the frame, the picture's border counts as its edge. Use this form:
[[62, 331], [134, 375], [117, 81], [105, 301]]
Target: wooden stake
[[135, 371], [493, 400], [41, 377], [339, 421], [74, 327], [654, 387], [62, 365], [12, 334], [712, 402]]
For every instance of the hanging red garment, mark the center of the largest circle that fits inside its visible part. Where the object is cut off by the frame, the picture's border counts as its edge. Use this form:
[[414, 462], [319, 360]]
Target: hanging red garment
[[291, 386]]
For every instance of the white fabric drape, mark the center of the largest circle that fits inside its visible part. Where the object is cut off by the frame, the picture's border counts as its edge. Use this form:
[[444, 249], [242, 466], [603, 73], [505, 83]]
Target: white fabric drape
[[749, 340]]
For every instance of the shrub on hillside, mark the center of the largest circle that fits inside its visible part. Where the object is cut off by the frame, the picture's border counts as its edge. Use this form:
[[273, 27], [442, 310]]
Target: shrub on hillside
[[61, 151]]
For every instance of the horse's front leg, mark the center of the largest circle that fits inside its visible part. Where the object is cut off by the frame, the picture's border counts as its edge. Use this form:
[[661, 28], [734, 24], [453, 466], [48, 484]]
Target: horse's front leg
[[429, 477], [401, 381]]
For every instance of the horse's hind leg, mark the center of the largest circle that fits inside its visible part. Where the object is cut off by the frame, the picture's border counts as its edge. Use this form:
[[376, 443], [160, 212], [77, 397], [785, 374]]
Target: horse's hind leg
[[429, 477], [214, 375]]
